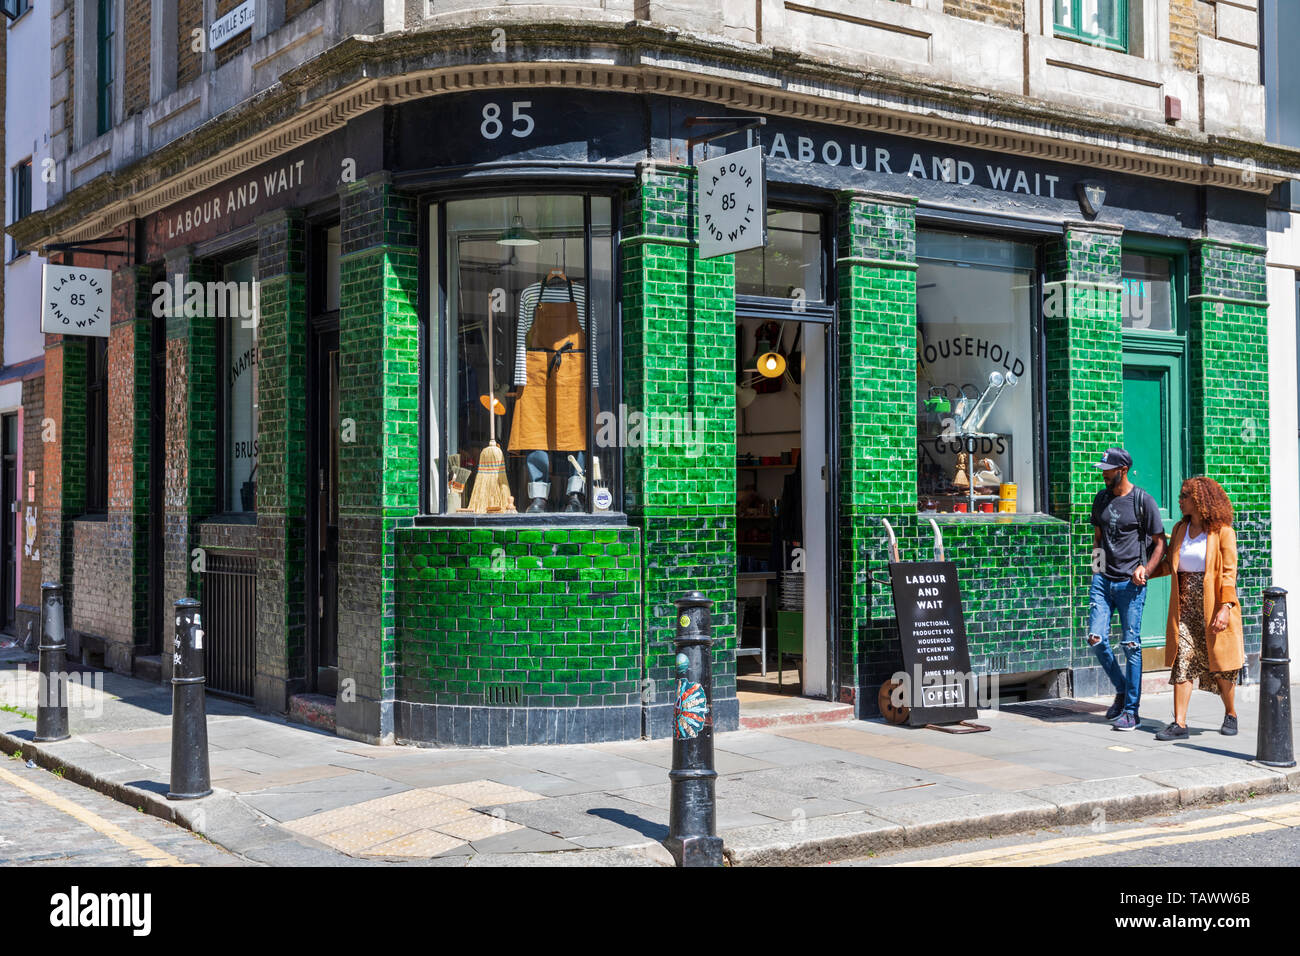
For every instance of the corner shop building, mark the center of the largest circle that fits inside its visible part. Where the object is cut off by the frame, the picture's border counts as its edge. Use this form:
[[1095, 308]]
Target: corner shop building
[[295, 476]]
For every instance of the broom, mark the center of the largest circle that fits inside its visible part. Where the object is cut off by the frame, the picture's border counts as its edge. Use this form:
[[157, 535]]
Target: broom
[[491, 492]]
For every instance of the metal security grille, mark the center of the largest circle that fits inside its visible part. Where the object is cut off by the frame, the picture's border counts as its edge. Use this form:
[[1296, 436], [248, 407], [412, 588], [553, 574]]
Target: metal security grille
[[229, 613]]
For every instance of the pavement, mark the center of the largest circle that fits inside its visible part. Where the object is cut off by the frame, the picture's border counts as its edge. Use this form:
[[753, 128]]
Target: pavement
[[288, 794]]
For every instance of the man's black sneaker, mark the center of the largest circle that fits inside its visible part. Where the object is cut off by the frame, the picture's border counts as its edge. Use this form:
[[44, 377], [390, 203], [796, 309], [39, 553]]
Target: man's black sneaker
[[1229, 728], [1116, 708], [1174, 731]]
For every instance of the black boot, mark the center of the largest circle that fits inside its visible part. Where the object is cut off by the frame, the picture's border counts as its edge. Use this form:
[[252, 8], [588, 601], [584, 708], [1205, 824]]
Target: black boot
[[577, 504], [536, 506]]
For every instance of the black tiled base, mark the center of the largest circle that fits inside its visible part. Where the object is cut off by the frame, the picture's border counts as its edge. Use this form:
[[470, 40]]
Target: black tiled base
[[467, 726]]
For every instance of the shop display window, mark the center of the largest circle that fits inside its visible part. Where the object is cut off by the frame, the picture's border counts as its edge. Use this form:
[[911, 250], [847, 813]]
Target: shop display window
[[1147, 301], [239, 392], [529, 366], [977, 428]]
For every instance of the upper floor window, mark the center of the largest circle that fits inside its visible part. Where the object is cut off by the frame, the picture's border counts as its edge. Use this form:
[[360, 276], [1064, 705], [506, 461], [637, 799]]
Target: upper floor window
[[13, 9], [1102, 23], [107, 25], [22, 199]]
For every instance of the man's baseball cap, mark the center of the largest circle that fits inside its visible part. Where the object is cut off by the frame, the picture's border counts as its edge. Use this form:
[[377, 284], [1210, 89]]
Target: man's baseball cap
[[1114, 458]]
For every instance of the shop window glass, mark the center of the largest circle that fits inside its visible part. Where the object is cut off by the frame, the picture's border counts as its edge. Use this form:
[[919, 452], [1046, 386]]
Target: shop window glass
[[528, 300], [976, 378], [1099, 22], [331, 297], [790, 265], [239, 390], [1147, 301]]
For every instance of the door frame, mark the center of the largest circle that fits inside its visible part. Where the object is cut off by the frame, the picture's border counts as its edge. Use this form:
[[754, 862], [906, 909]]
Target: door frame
[[1143, 348], [320, 325]]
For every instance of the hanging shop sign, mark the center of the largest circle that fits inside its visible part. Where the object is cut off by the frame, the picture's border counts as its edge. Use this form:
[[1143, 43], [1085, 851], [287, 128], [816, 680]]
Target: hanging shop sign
[[231, 25], [731, 196], [932, 631], [75, 300]]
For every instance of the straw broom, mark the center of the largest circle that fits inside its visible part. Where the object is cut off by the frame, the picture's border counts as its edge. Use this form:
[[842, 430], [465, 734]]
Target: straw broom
[[491, 492]]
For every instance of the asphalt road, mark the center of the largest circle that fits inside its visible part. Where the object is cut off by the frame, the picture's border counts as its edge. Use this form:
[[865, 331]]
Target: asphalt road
[[1258, 832], [48, 821]]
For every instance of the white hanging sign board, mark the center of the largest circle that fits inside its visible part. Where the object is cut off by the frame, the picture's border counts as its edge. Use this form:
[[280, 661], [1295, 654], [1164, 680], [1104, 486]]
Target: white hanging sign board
[[76, 300], [732, 200]]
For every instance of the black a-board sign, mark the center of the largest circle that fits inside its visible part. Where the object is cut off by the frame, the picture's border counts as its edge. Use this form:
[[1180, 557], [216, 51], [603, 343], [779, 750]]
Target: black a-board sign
[[932, 632]]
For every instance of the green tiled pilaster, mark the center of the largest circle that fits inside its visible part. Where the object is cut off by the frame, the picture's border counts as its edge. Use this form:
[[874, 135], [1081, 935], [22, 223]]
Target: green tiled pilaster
[[877, 382], [679, 358], [281, 458], [1085, 396], [1229, 414], [379, 374]]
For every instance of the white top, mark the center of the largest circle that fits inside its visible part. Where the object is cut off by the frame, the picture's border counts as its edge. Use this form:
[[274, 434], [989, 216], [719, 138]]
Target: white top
[[1191, 553], [528, 300]]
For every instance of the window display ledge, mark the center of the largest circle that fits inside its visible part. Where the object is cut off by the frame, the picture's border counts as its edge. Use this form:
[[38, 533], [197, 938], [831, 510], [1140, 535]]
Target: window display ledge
[[994, 518], [560, 520]]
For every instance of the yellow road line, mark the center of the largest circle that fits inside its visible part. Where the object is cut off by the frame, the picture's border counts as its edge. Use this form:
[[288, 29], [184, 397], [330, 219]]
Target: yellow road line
[[140, 847], [1121, 841]]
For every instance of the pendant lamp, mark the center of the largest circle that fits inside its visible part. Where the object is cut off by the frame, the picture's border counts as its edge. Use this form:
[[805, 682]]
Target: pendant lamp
[[517, 234]]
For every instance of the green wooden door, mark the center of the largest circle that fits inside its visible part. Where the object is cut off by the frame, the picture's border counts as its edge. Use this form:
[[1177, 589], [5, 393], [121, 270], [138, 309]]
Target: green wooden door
[[1153, 435]]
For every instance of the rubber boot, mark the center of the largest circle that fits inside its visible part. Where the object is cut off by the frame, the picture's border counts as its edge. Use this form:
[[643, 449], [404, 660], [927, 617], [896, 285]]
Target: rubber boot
[[577, 503], [540, 492]]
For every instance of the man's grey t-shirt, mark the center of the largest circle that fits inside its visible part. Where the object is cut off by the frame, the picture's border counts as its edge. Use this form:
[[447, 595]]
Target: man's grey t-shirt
[[1117, 519]]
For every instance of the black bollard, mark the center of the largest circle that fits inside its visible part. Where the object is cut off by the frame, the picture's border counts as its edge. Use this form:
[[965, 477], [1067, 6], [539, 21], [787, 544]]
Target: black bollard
[[190, 777], [52, 690], [692, 820], [1273, 747]]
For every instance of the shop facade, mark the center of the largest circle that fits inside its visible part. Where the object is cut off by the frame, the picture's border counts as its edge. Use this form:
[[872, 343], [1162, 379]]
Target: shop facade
[[419, 297]]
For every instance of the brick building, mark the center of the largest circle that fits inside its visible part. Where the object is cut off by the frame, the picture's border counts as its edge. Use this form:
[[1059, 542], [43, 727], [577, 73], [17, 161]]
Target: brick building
[[25, 138], [473, 222]]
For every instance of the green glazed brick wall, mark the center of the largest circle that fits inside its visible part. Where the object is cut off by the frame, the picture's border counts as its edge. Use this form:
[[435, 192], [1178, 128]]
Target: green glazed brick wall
[[73, 448], [552, 613], [1023, 578], [190, 473], [877, 385], [1085, 394], [141, 461], [679, 358], [379, 469], [282, 457], [1229, 412]]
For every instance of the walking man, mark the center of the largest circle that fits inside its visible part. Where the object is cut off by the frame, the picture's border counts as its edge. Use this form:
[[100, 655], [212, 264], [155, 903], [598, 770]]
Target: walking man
[[1125, 519]]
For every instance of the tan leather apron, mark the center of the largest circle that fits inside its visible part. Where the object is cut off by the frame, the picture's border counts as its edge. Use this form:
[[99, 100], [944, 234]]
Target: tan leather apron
[[551, 413]]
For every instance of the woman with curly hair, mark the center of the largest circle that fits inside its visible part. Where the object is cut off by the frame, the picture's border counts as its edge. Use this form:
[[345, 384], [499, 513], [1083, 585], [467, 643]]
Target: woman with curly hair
[[1203, 640]]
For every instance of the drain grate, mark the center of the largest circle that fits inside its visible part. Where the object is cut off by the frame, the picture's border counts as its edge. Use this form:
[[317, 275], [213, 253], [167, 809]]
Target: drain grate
[[502, 694], [1042, 709]]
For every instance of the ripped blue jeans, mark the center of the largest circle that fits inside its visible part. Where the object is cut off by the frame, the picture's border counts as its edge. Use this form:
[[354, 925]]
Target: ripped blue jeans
[[1105, 597]]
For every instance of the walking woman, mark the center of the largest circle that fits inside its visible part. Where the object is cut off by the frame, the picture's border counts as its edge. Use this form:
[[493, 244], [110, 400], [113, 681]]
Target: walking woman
[[1203, 632]]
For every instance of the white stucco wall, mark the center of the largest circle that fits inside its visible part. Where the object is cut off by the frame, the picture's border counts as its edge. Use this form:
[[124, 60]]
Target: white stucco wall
[[27, 124], [1283, 261]]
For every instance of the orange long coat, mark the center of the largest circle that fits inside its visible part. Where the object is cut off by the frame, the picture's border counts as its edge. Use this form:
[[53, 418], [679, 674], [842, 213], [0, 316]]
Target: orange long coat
[[1226, 650]]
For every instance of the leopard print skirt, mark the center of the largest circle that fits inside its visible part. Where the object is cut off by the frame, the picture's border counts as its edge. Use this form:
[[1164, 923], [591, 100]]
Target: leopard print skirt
[[1192, 661]]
